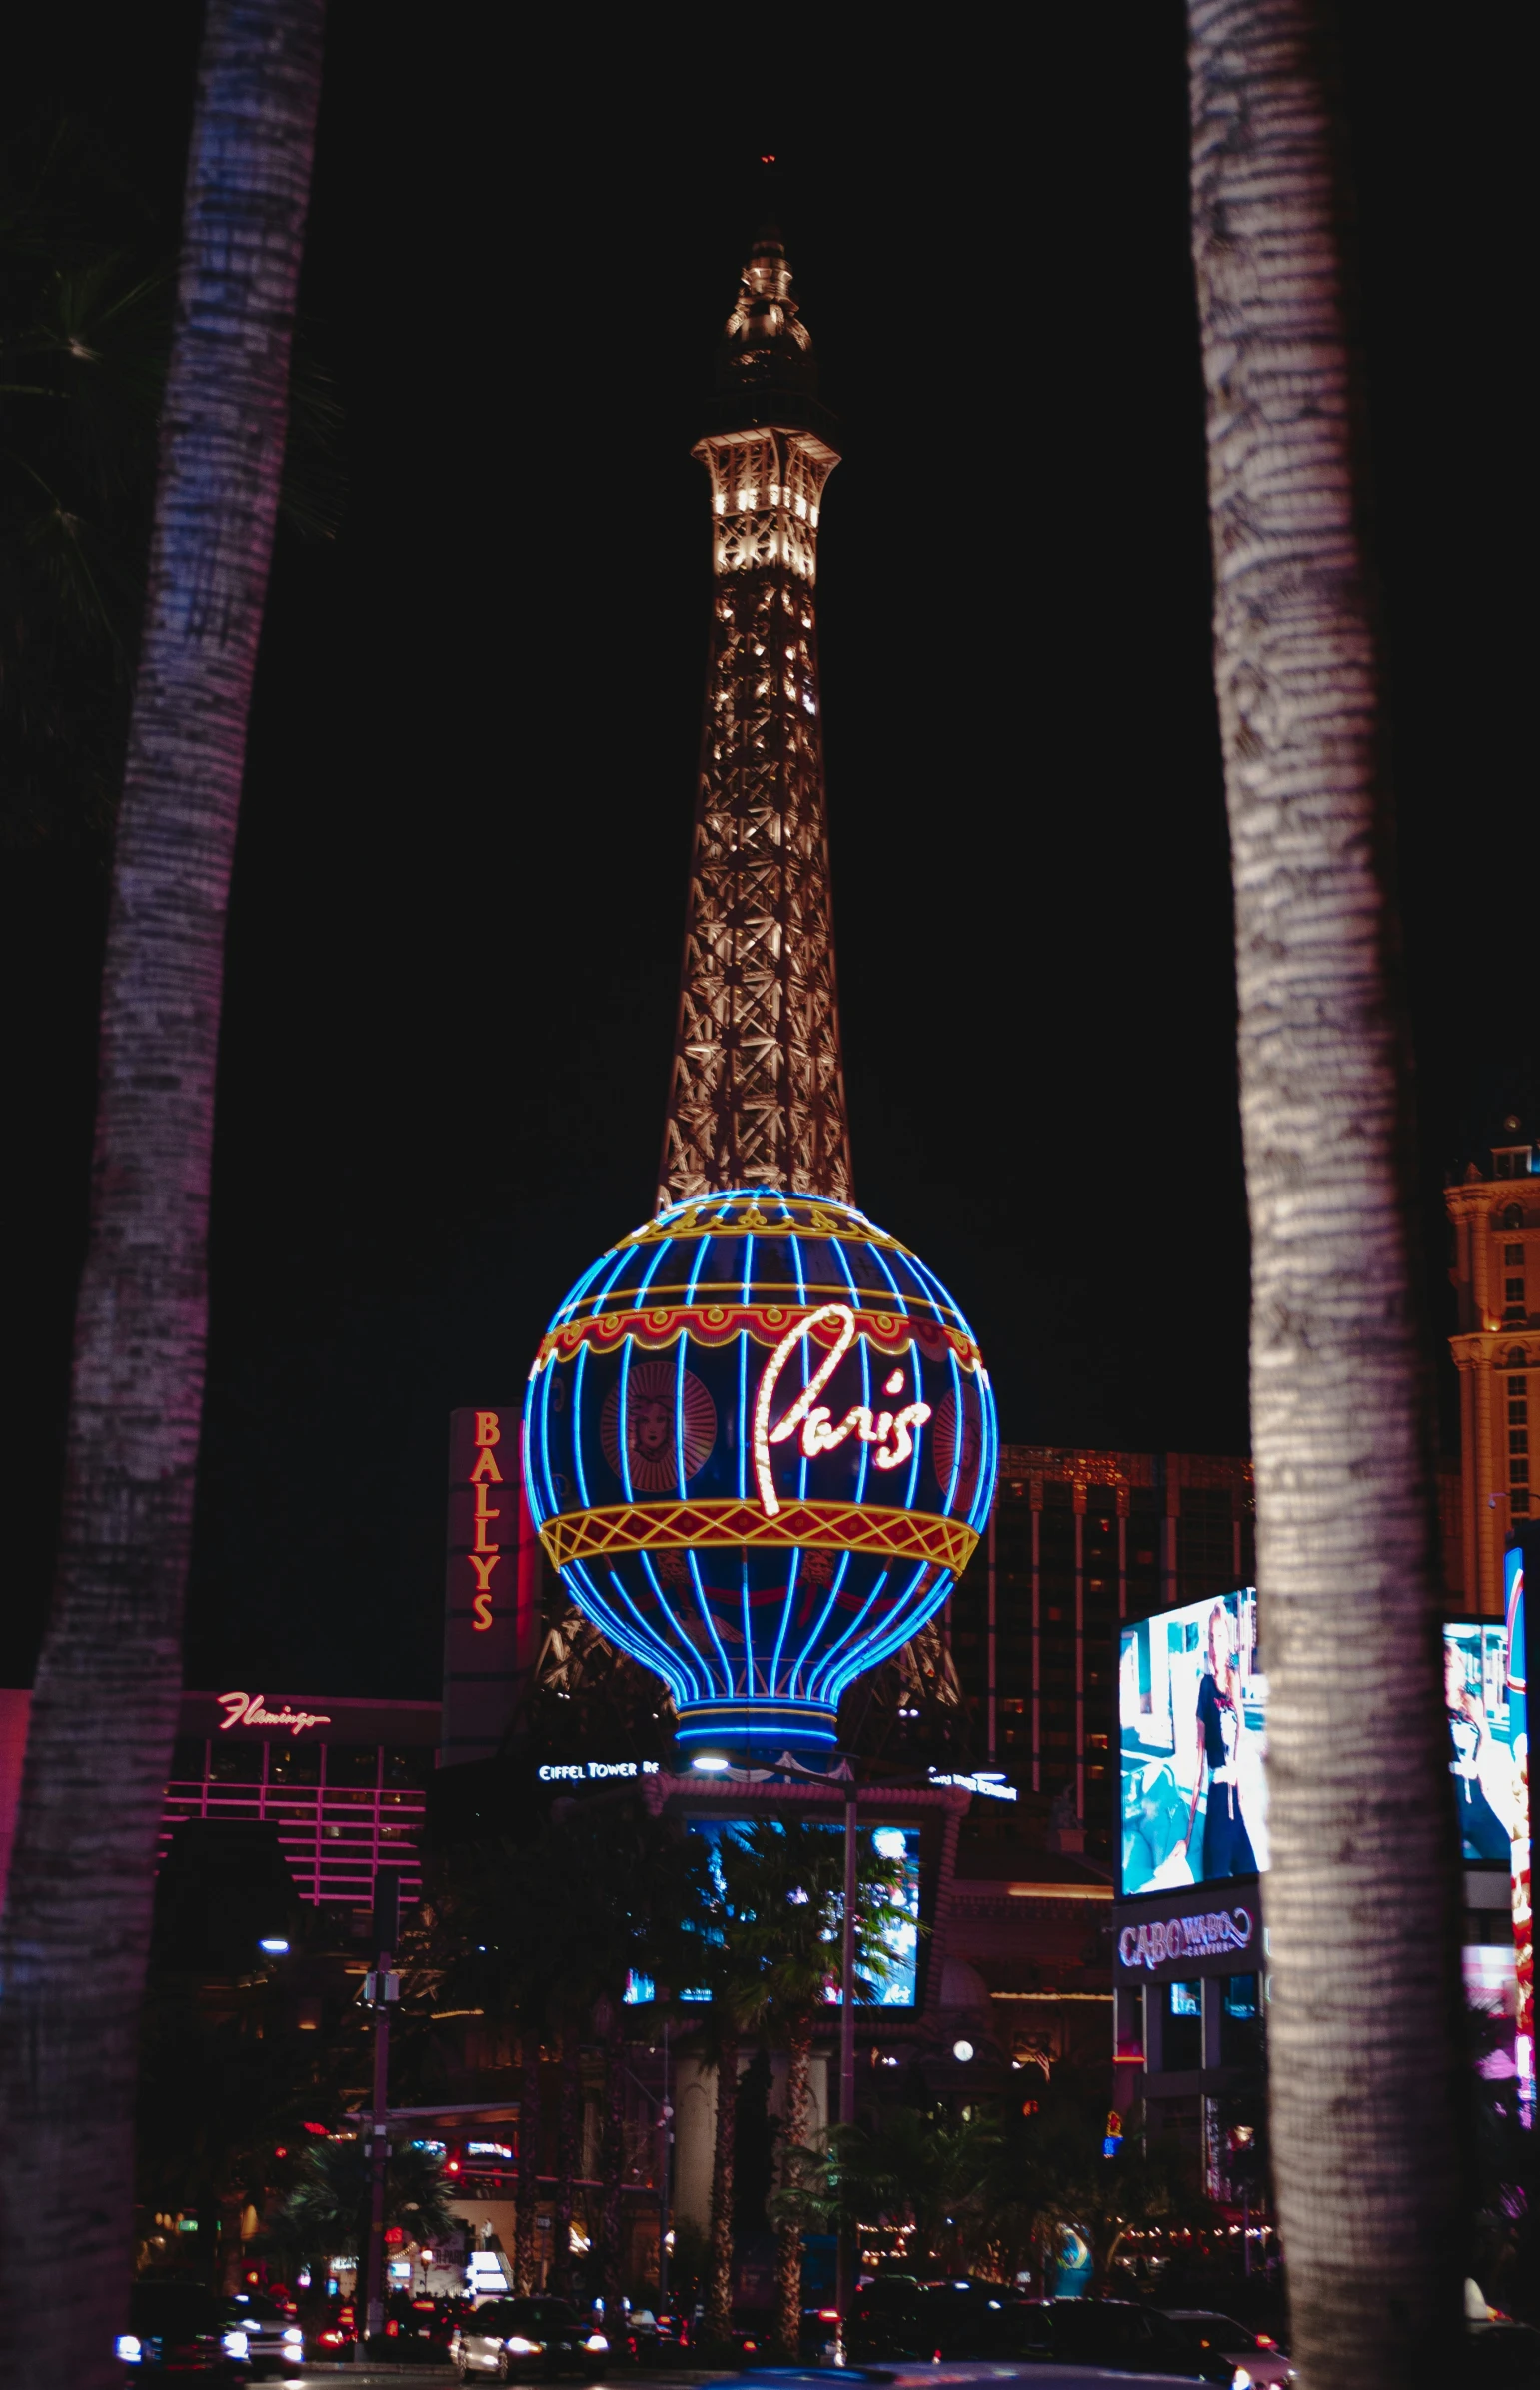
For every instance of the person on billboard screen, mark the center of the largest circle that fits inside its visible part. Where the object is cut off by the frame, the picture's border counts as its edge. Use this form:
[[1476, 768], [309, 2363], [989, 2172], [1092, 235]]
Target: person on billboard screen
[[1220, 1736], [1478, 1767]]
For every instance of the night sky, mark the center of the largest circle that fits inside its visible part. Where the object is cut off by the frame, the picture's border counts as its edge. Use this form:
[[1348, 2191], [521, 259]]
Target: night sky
[[458, 893]]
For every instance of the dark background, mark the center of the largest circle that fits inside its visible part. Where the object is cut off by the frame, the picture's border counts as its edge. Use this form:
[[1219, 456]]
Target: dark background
[[458, 893]]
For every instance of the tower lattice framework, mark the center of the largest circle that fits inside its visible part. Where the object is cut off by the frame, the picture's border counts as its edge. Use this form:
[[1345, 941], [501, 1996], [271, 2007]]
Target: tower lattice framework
[[757, 1097], [758, 1089]]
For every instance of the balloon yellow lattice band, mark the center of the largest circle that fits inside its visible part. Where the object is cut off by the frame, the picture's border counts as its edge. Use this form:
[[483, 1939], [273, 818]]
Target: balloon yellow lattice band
[[829, 1526]]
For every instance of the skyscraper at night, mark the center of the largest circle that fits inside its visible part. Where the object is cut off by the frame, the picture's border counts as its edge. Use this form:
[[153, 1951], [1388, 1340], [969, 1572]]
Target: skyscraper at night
[[757, 1097]]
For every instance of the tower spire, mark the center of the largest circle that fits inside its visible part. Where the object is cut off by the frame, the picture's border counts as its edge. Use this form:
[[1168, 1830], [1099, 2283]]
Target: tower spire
[[757, 1097]]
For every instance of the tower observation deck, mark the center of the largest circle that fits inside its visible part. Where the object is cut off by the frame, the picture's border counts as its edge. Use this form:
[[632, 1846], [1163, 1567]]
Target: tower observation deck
[[757, 1097]]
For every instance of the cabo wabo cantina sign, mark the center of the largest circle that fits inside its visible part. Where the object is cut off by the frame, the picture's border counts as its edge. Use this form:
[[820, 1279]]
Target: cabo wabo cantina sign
[[1210, 1933]]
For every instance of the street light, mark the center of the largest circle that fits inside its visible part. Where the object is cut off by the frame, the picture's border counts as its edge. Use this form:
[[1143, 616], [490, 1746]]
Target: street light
[[962, 2051]]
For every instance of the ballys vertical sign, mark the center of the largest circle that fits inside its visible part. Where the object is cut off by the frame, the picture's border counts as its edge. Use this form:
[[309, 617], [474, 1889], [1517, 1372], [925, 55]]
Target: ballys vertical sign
[[491, 1584]]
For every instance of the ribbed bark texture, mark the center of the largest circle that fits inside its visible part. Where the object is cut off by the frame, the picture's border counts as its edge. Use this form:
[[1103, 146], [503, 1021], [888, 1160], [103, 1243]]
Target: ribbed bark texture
[[719, 2277], [1362, 1899], [788, 2235], [104, 1709], [529, 2170]]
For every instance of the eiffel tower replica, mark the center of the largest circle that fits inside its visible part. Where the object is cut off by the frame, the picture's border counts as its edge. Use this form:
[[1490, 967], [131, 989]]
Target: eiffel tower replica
[[757, 1094]]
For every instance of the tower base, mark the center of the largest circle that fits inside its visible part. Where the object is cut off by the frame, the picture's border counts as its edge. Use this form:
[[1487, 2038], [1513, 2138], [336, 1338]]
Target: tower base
[[757, 1730]]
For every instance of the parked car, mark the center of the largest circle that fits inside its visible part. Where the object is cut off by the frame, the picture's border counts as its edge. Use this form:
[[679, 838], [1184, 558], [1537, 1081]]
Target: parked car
[[274, 2341], [1111, 2332], [885, 2320], [508, 2340], [182, 2328], [1256, 2353], [653, 2338]]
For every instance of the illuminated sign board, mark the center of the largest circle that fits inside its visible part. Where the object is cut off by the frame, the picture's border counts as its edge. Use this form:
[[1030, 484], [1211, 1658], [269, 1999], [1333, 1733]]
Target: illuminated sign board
[[991, 1784], [1192, 1710], [1192, 1715], [1178, 1940], [590, 1772], [491, 1585], [249, 1710]]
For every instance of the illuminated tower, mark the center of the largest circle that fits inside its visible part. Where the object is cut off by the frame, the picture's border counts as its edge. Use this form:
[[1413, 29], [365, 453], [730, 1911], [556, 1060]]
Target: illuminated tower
[[758, 1091]]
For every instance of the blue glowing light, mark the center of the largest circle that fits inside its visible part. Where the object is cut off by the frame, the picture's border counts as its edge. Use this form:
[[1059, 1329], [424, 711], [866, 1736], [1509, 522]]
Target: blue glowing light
[[760, 1454]]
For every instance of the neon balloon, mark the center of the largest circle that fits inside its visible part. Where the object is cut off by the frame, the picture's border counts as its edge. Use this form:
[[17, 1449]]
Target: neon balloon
[[710, 1472]]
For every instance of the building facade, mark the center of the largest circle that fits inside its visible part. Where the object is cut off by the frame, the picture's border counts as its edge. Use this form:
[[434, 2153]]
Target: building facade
[[1495, 1233], [1078, 1540]]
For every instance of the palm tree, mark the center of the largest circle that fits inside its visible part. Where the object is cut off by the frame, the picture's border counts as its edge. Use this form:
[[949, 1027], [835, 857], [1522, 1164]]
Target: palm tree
[[784, 1882], [104, 1709], [325, 2213], [908, 2166], [1362, 1899]]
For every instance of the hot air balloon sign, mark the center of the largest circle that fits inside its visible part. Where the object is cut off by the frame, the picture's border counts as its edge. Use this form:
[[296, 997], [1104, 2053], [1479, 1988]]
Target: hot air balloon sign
[[758, 1444]]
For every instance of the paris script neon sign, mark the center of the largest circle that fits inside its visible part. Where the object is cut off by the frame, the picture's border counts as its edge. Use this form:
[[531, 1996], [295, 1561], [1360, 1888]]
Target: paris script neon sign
[[890, 1434]]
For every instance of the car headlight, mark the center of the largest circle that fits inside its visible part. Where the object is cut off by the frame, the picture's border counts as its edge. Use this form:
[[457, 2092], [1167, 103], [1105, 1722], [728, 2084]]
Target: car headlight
[[234, 2345], [519, 2347], [294, 2338], [596, 2342], [1241, 2379], [127, 2350]]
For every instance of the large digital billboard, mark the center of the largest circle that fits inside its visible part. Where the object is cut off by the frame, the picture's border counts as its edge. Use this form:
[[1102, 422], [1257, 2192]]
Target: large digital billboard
[[1192, 1714], [1192, 1731]]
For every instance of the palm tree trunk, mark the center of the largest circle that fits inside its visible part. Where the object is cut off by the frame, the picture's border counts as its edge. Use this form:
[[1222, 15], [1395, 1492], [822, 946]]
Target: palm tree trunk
[[612, 2158], [719, 2276], [788, 2251], [1362, 1898], [104, 1709], [568, 2161], [529, 2169]]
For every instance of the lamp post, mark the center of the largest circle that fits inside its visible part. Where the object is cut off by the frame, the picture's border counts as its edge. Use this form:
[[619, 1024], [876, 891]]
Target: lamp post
[[381, 1989]]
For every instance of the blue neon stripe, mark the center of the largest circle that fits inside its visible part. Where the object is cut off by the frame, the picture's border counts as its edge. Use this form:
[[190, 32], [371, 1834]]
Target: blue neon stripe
[[823, 1672], [710, 1624], [748, 1634], [893, 1637], [685, 1654], [804, 1731], [535, 1444], [984, 1494], [797, 1264], [574, 1295], [876, 1254], [621, 1261], [956, 1441], [622, 1424], [743, 1414], [702, 1251], [645, 1278], [748, 1265], [644, 1646], [575, 1409], [823, 1619], [839, 1252], [788, 1605]]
